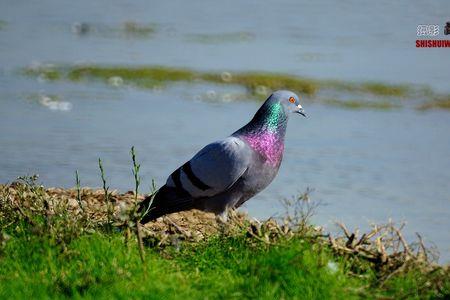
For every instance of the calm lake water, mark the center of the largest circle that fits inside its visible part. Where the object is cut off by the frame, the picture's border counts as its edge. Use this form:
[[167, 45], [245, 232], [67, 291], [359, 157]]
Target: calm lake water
[[363, 165]]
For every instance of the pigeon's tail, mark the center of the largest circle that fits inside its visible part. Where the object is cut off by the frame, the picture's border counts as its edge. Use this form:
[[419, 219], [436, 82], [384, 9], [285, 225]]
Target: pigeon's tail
[[167, 200]]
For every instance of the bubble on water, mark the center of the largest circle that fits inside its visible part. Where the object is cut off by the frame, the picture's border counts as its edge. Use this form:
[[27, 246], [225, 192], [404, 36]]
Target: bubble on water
[[80, 28], [211, 95], [65, 106], [35, 65], [53, 103], [226, 76], [227, 97], [262, 90], [158, 88], [45, 100], [197, 98], [246, 36], [115, 81], [171, 32], [41, 78]]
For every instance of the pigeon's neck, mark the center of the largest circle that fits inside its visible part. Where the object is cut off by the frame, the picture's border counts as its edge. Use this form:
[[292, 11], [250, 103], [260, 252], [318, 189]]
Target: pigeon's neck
[[265, 132]]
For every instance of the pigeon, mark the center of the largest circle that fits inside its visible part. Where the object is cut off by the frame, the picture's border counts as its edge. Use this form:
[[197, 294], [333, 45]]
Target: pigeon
[[225, 174]]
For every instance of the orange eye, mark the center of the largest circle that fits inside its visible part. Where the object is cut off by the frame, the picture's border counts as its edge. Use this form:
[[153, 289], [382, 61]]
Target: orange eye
[[292, 100]]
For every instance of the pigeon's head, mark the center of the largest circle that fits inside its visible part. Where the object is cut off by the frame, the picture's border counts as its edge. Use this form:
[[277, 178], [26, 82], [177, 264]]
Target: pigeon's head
[[289, 100]]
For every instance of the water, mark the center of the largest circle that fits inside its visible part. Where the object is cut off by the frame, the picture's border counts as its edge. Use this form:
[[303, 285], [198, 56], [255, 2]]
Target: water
[[363, 165]]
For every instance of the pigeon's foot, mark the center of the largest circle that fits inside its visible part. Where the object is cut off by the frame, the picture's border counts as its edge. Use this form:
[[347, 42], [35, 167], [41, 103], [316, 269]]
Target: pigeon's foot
[[222, 217]]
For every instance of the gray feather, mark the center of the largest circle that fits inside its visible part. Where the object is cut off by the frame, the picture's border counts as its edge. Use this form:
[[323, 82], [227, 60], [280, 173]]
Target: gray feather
[[226, 173], [219, 165]]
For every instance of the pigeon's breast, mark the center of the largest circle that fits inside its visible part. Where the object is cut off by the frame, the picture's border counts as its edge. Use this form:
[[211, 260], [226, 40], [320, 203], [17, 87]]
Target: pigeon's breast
[[267, 144], [257, 177]]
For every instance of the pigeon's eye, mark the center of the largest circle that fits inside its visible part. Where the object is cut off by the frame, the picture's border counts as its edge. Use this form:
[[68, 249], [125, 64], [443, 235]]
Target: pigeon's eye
[[292, 100]]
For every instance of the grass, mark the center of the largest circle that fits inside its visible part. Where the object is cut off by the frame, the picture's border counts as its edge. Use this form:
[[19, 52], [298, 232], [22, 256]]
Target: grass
[[53, 247], [100, 266], [57, 244], [107, 197]]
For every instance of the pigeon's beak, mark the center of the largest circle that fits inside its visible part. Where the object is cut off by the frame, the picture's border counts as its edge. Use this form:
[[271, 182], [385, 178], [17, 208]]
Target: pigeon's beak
[[301, 111]]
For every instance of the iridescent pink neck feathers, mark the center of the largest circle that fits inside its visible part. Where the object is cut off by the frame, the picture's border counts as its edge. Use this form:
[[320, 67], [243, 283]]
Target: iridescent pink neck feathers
[[268, 144], [265, 132]]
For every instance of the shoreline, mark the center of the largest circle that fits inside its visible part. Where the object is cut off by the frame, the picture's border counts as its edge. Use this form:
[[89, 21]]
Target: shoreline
[[379, 262]]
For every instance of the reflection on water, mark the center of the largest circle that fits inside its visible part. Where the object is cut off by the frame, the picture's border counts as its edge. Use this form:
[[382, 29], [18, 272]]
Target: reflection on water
[[363, 165]]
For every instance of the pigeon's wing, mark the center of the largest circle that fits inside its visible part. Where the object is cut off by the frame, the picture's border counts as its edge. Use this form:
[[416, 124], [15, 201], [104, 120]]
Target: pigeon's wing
[[213, 169]]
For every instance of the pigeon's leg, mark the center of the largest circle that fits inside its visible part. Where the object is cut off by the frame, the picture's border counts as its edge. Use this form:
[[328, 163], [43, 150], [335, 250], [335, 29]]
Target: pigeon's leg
[[222, 221], [218, 204], [222, 217]]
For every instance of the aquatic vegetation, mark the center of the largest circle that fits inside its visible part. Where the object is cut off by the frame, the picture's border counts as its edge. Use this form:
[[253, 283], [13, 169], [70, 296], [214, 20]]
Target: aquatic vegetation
[[264, 83], [3, 24], [258, 84], [146, 77], [43, 72], [137, 29], [382, 89], [438, 103], [354, 104], [374, 88], [128, 29], [81, 28], [230, 37]]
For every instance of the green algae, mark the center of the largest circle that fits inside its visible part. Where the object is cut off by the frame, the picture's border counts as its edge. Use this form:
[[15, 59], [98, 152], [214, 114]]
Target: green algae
[[136, 29], [361, 104], [3, 24], [253, 81], [230, 37], [258, 84], [382, 89], [374, 88], [138, 73], [44, 72], [146, 77], [439, 103], [158, 75]]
